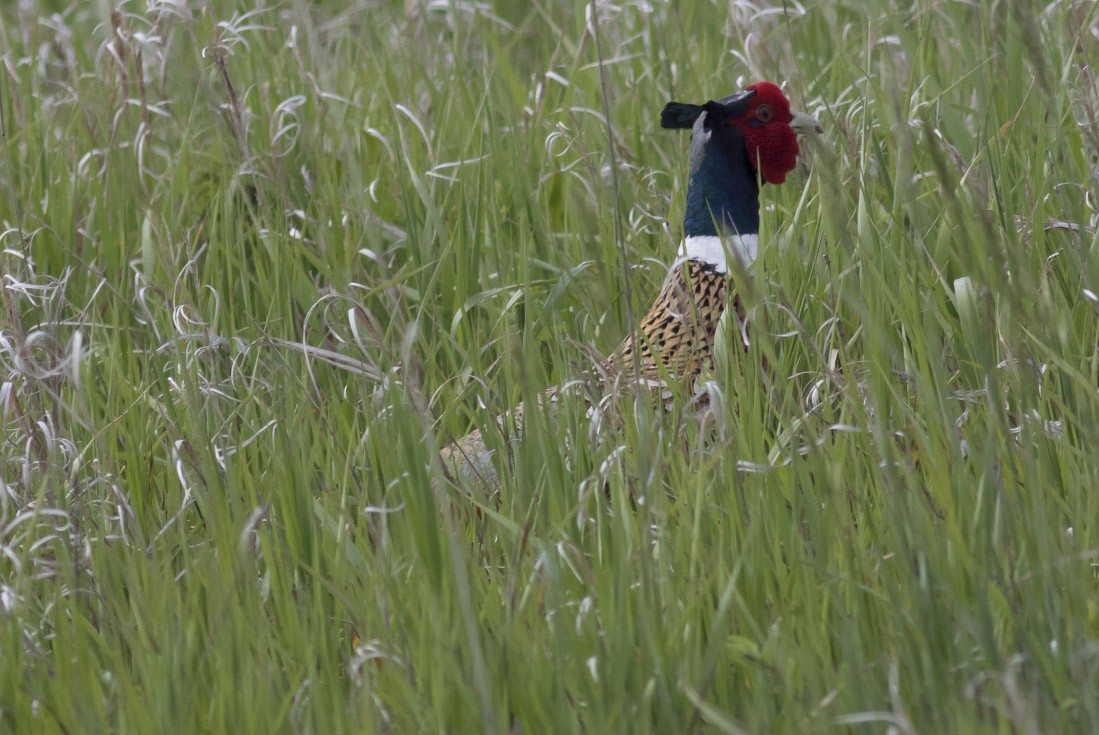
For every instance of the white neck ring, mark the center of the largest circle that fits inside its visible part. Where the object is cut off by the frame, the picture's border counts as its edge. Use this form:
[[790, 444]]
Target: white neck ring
[[713, 250]]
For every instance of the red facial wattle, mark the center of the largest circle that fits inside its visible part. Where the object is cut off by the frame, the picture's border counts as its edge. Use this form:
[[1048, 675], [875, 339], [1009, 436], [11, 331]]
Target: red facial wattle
[[772, 144], [773, 150]]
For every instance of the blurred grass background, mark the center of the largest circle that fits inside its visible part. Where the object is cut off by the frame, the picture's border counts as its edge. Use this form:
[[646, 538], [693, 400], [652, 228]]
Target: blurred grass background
[[260, 261]]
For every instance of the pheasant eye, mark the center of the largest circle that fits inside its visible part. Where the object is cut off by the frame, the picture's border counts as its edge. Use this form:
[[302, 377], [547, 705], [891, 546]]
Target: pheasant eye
[[763, 113]]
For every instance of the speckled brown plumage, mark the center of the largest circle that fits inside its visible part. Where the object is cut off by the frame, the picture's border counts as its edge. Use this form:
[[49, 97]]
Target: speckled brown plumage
[[676, 336], [674, 343]]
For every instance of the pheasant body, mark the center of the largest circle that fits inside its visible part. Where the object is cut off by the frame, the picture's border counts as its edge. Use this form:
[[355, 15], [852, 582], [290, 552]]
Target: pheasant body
[[673, 344]]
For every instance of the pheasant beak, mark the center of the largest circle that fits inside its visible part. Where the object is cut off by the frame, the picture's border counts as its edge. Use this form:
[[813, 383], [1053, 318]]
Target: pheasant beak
[[804, 124]]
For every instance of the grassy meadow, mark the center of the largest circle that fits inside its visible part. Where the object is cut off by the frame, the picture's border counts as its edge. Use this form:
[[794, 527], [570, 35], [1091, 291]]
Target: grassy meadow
[[259, 262]]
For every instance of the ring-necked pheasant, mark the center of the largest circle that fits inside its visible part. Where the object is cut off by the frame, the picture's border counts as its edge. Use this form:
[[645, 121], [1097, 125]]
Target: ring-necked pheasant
[[737, 143]]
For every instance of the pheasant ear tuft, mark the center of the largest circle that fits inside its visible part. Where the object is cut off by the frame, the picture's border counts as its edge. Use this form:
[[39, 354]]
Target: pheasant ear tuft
[[680, 115]]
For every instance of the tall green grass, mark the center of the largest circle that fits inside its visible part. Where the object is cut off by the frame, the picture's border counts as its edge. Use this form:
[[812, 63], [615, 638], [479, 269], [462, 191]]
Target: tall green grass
[[260, 263]]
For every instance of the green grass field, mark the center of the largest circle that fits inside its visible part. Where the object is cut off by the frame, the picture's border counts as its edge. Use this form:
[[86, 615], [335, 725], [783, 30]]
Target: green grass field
[[259, 264]]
